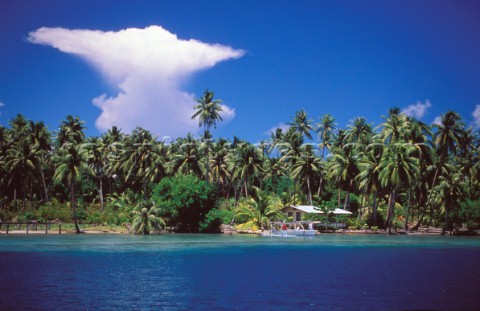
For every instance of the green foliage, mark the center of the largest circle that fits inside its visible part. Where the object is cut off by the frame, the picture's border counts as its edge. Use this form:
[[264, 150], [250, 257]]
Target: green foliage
[[145, 219], [214, 219], [54, 211], [184, 201]]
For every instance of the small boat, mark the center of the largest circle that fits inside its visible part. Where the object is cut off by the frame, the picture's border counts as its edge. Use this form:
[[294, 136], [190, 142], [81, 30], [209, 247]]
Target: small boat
[[290, 233]]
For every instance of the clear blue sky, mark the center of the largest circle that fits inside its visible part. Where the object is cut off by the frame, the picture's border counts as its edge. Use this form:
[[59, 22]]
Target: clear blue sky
[[347, 58]]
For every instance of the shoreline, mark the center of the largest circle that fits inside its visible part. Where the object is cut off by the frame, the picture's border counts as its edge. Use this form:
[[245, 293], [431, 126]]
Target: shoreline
[[422, 232]]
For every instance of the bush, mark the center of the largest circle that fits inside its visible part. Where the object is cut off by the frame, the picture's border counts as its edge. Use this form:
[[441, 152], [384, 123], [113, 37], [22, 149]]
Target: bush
[[53, 211], [184, 201], [214, 219]]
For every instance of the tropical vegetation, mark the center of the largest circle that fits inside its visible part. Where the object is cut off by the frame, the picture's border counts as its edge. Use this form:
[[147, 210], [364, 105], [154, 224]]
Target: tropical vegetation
[[401, 174]]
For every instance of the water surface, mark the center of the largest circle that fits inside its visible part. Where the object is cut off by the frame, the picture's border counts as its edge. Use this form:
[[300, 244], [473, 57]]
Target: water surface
[[240, 272]]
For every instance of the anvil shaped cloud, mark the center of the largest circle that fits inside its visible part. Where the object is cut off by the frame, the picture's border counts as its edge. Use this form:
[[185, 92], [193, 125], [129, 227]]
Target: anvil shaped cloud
[[148, 66]]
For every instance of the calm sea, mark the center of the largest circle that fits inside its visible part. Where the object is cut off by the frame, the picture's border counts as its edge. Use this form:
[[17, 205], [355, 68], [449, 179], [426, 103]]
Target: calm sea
[[240, 272]]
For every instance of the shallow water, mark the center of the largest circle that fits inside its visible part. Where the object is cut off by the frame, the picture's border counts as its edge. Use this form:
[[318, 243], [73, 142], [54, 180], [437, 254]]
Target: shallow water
[[240, 272]]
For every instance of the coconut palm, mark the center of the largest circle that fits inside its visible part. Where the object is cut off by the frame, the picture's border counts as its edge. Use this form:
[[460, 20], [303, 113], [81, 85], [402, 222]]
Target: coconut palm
[[259, 210], [301, 124], [397, 169], [71, 131], [146, 219], [185, 156], [69, 162], [307, 168], [208, 113], [246, 165], [141, 159], [40, 138], [325, 130], [96, 158]]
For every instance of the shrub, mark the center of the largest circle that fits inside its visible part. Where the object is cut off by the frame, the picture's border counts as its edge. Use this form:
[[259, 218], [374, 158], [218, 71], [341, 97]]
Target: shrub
[[184, 201], [53, 211], [214, 219]]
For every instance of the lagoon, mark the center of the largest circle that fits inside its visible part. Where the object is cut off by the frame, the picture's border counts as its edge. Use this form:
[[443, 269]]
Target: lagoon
[[239, 272]]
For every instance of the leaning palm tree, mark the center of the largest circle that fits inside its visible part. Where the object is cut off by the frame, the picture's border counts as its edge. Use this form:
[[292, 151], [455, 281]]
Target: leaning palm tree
[[208, 113], [259, 210], [69, 162], [145, 219]]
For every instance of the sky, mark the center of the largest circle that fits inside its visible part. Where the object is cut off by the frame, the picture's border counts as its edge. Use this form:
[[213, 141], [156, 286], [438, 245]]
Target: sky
[[144, 63]]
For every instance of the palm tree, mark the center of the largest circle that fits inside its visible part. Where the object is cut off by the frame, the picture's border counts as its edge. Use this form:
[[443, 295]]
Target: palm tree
[[344, 169], [146, 219], [71, 131], [359, 131], [40, 138], [306, 168], [113, 140], [368, 179], [398, 168], [325, 131], [259, 210], [96, 158], [185, 157], [69, 162], [208, 113], [301, 124], [219, 165], [246, 165], [141, 159]]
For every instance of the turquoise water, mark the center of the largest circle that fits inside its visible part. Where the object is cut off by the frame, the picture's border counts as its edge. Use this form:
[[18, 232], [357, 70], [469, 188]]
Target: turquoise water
[[240, 272]]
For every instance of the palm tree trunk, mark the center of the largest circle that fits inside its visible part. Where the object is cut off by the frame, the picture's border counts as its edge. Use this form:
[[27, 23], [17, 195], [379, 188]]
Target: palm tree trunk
[[391, 211], [309, 192], [44, 185], [73, 202], [405, 227], [374, 207], [100, 193], [347, 200]]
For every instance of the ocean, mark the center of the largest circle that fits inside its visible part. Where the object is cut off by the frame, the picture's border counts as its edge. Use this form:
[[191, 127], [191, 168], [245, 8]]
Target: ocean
[[238, 272]]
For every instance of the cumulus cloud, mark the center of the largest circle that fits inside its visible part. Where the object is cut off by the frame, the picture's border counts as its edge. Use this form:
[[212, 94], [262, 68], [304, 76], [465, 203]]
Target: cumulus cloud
[[283, 126], [476, 117], [148, 66], [437, 120], [417, 110]]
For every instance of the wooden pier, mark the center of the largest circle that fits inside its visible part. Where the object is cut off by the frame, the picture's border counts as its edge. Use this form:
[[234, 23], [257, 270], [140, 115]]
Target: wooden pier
[[29, 227]]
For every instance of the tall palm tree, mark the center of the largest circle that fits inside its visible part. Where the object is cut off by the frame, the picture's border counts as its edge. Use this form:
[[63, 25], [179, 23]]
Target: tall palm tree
[[397, 169], [301, 124], [325, 130], [306, 168], [71, 131], [96, 157], [208, 113], [69, 162], [40, 138], [184, 156], [142, 159], [246, 165]]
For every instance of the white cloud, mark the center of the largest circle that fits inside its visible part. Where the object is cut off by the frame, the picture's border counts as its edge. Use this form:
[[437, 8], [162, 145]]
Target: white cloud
[[417, 110], [148, 66], [437, 120], [476, 117], [2, 104], [283, 126]]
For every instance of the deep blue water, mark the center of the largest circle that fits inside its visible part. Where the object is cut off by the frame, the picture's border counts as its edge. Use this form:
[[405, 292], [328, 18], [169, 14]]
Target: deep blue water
[[217, 272]]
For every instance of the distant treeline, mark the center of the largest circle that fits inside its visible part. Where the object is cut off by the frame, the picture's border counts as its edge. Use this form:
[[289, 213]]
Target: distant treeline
[[403, 173]]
